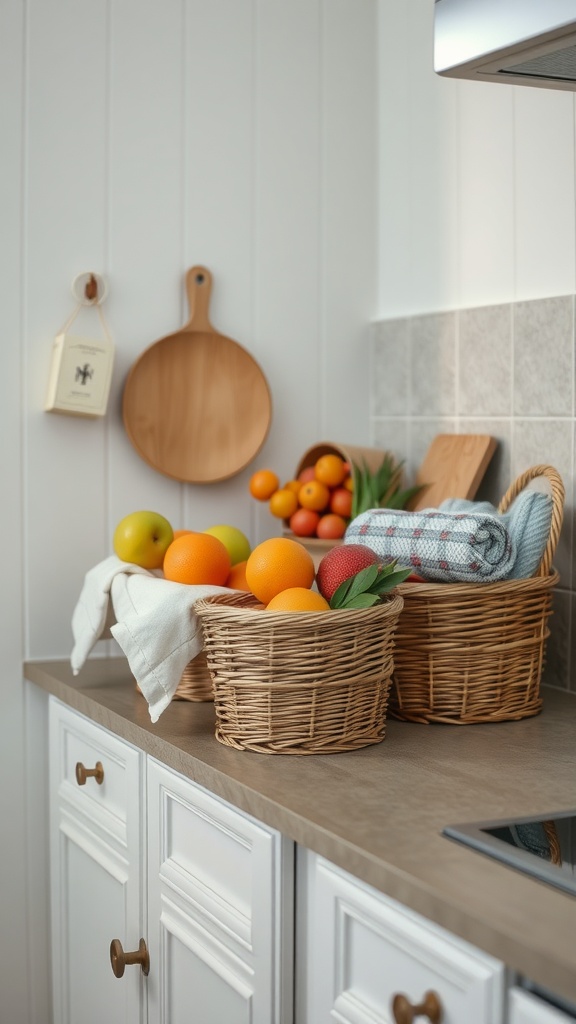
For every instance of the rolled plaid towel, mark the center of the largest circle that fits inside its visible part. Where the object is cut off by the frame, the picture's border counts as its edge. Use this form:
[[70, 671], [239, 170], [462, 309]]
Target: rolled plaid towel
[[464, 547]]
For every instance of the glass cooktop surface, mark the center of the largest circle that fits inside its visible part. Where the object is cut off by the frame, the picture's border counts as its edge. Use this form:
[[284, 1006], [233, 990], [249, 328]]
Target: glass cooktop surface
[[544, 847]]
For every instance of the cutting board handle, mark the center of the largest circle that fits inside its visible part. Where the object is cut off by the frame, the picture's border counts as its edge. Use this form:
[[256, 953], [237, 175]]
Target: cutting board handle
[[199, 288]]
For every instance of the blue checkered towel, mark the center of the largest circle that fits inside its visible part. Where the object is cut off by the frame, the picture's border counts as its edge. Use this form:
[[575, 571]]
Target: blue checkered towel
[[440, 546], [462, 541]]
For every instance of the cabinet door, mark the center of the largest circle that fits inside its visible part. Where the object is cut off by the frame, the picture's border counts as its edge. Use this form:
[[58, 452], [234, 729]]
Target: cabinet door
[[525, 1008], [357, 949], [95, 847], [220, 910]]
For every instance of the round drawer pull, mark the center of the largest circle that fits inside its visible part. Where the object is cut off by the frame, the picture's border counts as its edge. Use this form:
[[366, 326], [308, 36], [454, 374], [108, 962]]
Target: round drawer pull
[[83, 773], [405, 1012], [120, 960]]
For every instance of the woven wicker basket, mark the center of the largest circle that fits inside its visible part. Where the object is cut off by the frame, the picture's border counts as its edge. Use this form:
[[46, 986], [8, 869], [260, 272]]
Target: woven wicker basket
[[474, 652], [298, 683], [195, 683]]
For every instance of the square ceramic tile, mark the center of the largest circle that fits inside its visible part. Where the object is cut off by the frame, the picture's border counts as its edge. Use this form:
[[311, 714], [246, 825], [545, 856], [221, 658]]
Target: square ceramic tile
[[544, 357], [485, 361], [390, 367], [433, 365]]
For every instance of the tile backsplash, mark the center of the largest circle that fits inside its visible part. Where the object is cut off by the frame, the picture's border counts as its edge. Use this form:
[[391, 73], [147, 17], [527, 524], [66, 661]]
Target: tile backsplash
[[505, 370]]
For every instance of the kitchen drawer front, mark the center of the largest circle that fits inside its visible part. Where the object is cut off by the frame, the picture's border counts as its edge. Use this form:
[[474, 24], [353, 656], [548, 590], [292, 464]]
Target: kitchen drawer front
[[361, 949], [526, 1008], [75, 740], [220, 890]]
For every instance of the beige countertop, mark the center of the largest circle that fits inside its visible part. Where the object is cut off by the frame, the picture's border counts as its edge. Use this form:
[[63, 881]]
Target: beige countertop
[[379, 812]]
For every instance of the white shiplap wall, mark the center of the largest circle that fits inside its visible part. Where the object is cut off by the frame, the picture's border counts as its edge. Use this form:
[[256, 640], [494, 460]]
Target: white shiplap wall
[[476, 181], [137, 140]]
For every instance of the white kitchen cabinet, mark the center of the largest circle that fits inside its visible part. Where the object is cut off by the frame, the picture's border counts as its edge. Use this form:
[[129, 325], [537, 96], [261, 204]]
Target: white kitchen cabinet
[[357, 950], [527, 1008], [96, 849], [220, 909], [145, 856]]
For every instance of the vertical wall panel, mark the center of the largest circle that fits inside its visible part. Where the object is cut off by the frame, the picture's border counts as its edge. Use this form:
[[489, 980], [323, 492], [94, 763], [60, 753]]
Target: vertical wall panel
[[395, 242], [286, 285], [544, 193], [486, 215], [65, 456], [427, 191], [143, 221], [14, 981], [348, 198], [217, 213]]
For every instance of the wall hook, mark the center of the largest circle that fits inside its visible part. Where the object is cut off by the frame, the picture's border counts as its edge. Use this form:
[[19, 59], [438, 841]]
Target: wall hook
[[89, 288]]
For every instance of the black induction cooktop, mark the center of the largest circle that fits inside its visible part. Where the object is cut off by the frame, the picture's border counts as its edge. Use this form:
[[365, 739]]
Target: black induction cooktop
[[544, 847]]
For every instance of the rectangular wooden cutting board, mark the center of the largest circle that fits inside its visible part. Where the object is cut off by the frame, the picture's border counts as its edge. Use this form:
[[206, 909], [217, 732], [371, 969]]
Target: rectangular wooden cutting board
[[453, 468]]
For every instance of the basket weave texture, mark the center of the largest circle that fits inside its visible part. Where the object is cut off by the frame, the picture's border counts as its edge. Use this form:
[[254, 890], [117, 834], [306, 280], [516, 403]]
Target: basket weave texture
[[474, 652], [195, 683], [298, 682]]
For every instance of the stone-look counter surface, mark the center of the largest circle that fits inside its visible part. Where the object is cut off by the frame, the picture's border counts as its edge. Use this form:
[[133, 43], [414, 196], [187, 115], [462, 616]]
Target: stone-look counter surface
[[378, 813]]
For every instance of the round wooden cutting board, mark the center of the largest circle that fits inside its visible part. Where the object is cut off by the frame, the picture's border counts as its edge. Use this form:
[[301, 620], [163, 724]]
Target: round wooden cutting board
[[196, 405]]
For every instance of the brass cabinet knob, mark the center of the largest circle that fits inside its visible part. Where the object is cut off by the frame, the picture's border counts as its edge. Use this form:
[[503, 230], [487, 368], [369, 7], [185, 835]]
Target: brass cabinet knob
[[83, 773], [405, 1012], [120, 960]]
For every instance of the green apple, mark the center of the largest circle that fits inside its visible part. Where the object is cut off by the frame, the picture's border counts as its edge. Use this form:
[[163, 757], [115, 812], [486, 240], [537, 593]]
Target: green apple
[[143, 538], [235, 542]]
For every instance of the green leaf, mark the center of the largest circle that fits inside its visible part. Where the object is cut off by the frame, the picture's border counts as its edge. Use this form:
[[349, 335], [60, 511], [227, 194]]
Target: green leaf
[[381, 488], [401, 498], [388, 583], [362, 581], [365, 588]]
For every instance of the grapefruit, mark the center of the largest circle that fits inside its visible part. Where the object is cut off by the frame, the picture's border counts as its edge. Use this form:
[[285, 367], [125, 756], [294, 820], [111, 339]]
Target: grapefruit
[[340, 564]]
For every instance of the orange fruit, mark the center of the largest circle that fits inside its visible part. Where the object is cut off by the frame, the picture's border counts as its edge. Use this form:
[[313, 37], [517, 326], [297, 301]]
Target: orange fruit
[[197, 558], [348, 483], [304, 522], [307, 474], [293, 485], [331, 527], [180, 533], [237, 577], [330, 470], [314, 495], [277, 564], [298, 599], [341, 502], [283, 503], [263, 483]]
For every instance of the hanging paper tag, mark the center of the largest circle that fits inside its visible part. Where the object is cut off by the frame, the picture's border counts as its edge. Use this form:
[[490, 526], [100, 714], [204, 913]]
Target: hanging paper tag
[[80, 375]]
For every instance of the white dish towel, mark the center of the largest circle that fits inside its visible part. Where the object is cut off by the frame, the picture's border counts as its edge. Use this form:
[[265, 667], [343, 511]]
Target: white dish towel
[[152, 619]]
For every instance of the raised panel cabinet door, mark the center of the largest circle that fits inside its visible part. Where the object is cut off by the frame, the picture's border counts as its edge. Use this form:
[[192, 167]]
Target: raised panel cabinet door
[[96, 870], [220, 909], [526, 1008], [357, 950]]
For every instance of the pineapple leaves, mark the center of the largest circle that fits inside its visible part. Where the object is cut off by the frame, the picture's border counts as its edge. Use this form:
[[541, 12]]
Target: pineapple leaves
[[365, 588], [379, 489]]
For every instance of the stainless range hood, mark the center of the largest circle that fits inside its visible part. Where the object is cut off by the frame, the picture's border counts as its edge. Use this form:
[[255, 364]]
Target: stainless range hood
[[523, 42]]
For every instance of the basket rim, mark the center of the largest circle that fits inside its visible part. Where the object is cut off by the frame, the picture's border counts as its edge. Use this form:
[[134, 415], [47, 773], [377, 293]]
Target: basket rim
[[245, 607], [500, 587], [558, 495]]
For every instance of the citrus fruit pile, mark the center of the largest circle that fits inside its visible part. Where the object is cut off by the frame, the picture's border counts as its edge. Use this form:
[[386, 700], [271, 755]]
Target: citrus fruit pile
[[216, 556], [318, 503], [279, 572]]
